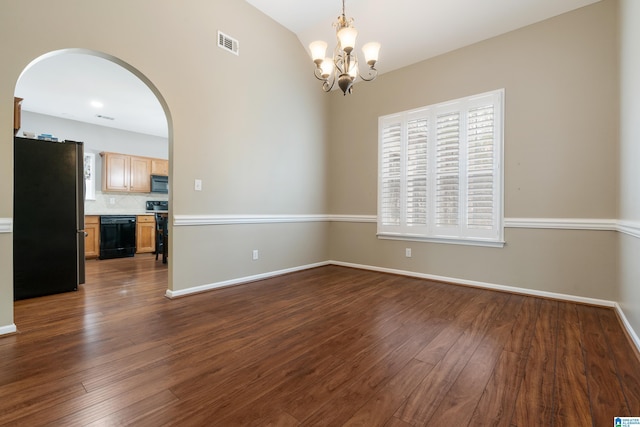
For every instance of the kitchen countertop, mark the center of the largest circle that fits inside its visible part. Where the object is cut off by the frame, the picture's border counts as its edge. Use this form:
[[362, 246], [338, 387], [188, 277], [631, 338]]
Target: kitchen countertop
[[123, 213]]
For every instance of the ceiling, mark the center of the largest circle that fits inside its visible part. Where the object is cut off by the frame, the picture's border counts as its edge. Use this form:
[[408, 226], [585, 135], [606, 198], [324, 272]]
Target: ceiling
[[409, 31], [65, 85]]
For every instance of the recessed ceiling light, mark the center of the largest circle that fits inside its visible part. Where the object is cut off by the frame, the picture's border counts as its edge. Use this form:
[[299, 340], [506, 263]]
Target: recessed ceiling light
[[97, 104]]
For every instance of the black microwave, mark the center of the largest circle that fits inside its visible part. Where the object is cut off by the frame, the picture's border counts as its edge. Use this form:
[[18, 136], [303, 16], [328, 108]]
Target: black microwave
[[159, 184]]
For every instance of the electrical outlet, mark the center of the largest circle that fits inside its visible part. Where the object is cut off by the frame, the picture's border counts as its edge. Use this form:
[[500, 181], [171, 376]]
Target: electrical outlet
[[112, 200], [198, 185], [256, 254], [407, 252]]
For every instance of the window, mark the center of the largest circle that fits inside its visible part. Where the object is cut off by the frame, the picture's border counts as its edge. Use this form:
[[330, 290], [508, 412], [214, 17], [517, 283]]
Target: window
[[440, 172]]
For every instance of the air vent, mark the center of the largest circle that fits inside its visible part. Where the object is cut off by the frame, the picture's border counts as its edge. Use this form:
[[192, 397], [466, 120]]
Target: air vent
[[228, 43], [100, 116]]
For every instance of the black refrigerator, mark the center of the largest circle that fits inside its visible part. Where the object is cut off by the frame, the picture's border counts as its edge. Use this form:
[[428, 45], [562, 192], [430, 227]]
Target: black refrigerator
[[48, 217]]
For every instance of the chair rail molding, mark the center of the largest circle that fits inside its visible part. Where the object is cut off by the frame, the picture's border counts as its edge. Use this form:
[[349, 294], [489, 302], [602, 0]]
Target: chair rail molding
[[631, 228], [194, 220], [628, 227], [6, 225], [562, 223]]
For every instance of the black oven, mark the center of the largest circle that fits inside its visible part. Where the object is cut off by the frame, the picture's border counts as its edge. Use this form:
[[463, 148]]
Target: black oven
[[117, 236], [159, 184]]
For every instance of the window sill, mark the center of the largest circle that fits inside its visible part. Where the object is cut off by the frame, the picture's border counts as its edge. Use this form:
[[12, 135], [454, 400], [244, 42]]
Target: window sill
[[452, 241]]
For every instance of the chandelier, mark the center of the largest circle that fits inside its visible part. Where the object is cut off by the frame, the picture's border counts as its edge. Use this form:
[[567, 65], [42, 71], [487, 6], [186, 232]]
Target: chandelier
[[343, 67]]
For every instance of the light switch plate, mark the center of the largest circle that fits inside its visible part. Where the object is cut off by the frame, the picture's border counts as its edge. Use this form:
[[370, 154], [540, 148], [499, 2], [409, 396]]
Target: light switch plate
[[198, 185]]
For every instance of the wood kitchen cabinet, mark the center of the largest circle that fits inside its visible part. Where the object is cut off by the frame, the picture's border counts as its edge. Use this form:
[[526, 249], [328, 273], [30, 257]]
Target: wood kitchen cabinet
[[92, 239], [140, 175], [159, 167], [122, 172], [116, 172], [17, 114], [145, 234]]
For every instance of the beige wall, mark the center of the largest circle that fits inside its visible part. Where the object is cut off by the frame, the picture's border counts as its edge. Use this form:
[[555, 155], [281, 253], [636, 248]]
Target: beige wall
[[630, 159], [280, 246], [251, 127], [561, 130], [541, 260]]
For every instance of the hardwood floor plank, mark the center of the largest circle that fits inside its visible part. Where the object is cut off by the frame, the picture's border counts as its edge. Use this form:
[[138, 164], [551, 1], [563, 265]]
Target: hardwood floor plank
[[267, 406], [324, 346], [572, 395], [522, 333], [281, 419], [381, 407], [469, 309], [459, 403], [343, 404], [319, 393], [605, 391], [287, 391], [81, 414], [396, 422], [231, 389], [136, 412], [35, 408], [497, 403], [102, 376], [535, 400], [423, 402], [627, 368]]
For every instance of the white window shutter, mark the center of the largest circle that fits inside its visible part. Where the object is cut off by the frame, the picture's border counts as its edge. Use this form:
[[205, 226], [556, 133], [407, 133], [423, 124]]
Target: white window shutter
[[391, 174], [447, 197], [480, 167], [440, 172], [416, 172]]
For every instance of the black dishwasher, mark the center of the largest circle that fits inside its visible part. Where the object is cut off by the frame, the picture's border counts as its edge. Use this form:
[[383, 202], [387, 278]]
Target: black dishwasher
[[117, 236]]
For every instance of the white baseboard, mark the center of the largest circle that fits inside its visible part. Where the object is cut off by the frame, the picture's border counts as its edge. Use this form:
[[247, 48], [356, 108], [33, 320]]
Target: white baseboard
[[8, 329], [242, 280], [628, 327]]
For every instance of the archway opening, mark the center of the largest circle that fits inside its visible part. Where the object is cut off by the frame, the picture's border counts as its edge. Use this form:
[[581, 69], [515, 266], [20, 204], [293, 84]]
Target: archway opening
[[109, 105]]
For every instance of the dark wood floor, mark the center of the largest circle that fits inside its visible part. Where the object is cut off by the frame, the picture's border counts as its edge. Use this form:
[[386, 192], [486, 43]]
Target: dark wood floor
[[328, 346]]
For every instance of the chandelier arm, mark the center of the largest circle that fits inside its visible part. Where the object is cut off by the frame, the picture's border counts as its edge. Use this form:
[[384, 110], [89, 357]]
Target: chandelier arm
[[326, 86], [317, 73], [338, 59], [372, 74]]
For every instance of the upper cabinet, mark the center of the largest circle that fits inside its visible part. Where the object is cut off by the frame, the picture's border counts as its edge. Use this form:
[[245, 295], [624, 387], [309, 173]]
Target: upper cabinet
[[140, 174], [159, 167], [116, 172], [17, 114], [122, 172]]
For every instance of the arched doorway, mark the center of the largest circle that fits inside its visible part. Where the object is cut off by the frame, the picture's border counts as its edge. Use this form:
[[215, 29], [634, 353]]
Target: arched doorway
[[88, 96]]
